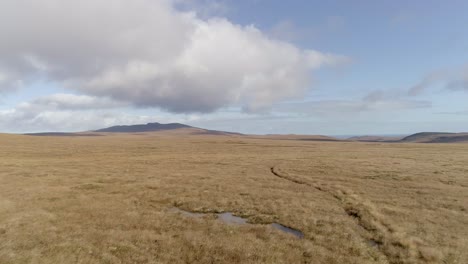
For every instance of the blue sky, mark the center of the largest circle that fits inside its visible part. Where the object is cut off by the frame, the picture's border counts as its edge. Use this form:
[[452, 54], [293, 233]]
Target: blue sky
[[252, 66]]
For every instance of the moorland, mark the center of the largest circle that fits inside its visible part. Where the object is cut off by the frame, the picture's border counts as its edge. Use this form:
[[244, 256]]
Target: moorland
[[156, 197]]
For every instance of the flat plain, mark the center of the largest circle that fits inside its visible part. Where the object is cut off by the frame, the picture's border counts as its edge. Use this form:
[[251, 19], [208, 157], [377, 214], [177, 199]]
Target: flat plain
[[128, 198]]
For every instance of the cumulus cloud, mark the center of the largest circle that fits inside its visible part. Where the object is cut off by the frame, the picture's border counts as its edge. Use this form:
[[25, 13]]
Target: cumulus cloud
[[63, 112], [68, 102], [150, 54], [69, 112], [19, 120]]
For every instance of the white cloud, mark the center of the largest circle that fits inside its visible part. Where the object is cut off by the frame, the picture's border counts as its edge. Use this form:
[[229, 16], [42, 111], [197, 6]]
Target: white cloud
[[67, 121], [147, 53], [69, 112], [63, 112], [68, 102]]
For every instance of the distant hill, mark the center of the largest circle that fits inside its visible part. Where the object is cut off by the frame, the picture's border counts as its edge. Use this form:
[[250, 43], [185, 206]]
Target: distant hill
[[436, 137], [169, 129], [150, 127], [174, 128], [181, 129], [424, 136]]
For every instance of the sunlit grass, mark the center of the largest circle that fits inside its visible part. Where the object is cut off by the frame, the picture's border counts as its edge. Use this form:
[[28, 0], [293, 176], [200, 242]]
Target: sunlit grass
[[110, 200]]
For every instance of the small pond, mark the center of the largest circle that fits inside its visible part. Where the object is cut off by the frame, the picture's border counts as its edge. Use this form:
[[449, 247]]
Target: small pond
[[231, 219]]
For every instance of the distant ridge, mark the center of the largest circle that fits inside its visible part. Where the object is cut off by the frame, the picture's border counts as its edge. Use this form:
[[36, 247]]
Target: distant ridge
[[150, 127], [422, 137], [157, 127], [436, 137], [171, 128], [182, 129], [425, 136]]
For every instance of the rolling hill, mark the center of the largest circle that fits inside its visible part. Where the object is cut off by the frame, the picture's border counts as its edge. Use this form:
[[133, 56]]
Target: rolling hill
[[171, 128], [436, 137], [150, 127], [174, 128], [423, 137]]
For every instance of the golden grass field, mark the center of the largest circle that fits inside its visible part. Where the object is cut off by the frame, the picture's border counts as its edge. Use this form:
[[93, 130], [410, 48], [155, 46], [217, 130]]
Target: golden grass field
[[111, 199]]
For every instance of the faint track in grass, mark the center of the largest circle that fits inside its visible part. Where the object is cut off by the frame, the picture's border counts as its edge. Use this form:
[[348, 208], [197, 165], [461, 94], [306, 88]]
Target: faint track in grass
[[395, 245], [277, 174]]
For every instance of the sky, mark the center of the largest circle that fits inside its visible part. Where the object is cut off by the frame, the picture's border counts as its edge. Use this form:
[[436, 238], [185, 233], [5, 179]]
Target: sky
[[361, 67]]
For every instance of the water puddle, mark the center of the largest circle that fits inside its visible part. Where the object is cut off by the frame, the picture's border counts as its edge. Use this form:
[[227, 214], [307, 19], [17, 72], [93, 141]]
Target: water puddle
[[289, 230], [230, 219]]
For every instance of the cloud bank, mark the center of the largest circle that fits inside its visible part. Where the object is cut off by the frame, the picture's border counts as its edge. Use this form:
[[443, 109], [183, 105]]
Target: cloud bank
[[70, 112], [147, 53]]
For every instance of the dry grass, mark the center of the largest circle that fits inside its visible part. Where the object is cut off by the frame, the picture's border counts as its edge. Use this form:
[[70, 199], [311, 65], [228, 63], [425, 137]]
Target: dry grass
[[109, 200]]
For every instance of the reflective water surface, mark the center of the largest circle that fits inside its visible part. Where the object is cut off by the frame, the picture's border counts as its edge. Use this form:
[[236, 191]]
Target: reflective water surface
[[231, 219]]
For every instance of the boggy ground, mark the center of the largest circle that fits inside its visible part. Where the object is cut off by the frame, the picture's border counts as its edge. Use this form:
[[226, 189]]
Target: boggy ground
[[111, 199]]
